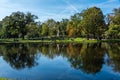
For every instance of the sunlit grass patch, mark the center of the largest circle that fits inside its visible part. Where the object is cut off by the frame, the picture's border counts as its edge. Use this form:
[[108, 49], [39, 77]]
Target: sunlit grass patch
[[6, 79]]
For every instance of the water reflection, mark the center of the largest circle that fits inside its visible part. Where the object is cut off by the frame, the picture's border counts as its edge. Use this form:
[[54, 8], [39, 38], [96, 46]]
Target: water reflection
[[89, 58], [113, 50], [86, 57], [19, 56]]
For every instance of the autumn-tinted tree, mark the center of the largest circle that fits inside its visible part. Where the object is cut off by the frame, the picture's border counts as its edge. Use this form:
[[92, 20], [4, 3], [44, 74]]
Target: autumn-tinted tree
[[70, 29], [76, 19]]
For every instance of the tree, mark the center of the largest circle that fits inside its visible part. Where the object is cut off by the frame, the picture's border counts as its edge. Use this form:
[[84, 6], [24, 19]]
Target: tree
[[39, 24], [29, 18], [32, 30], [93, 22], [58, 29], [76, 19], [113, 31], [74, 28], [1, 30], [71, 29], [63, 27], [15, 25], [116, 16], [45, 29], [51, 27], [10, 27], [114, 26], [0, 24]]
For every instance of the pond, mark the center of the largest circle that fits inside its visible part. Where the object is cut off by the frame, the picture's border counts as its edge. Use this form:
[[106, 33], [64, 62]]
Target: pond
[[43, 61]]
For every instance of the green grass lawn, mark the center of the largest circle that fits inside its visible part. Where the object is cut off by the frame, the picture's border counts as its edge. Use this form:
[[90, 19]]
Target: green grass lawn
[[71, 40], [6, 79]]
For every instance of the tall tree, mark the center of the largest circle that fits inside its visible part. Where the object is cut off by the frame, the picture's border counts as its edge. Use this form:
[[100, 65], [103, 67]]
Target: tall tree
[[63, 26], [51, 26], [93, 22], [14, 26], [10, 27], [76, 19], [71, 29], [27, 19]]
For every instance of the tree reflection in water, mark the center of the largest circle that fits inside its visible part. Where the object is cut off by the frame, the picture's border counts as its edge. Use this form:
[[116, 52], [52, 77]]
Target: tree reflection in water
[[113, 50], [19, 56], [88, 57]]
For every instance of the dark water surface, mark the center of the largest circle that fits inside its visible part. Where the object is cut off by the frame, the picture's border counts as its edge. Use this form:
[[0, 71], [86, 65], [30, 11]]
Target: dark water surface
[[38, 61]]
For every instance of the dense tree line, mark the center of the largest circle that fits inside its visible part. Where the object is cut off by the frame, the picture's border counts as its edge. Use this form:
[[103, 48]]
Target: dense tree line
[[90, 23]]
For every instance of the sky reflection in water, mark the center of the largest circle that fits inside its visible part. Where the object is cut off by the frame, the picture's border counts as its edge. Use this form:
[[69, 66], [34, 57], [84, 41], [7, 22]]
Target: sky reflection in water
[[87, 61]]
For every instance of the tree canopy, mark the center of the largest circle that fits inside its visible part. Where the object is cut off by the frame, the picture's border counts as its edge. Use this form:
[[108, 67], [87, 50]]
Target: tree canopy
[[93, 22], [90, 23], [15, 25]]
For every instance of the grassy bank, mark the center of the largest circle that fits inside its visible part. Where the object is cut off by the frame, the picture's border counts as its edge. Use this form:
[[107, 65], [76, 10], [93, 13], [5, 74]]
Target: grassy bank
[[73, 40], [6, 79]]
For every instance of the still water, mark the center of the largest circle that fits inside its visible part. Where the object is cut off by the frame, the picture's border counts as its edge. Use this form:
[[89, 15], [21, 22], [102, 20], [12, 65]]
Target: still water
[[42, 61]]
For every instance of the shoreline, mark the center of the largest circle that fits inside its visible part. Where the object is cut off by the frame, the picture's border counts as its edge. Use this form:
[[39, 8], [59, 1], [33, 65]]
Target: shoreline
[[57, 41]]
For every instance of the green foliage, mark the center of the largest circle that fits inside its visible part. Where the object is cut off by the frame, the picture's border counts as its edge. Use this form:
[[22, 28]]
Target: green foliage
[[89, 23], [51, 27], [93, 22], [44, 29], [14, 26], [70, 29], [74, 27], [32, 30], [113, 31], [63, 26], [116, 17], [114, 26]]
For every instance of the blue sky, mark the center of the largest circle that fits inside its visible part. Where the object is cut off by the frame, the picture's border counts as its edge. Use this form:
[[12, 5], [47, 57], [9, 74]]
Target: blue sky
[[56, 9]]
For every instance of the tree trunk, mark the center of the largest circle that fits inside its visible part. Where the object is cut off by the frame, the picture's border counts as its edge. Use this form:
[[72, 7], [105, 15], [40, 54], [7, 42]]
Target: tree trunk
[[94, 36], [87, 36], [58, 33], [23, 37]]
